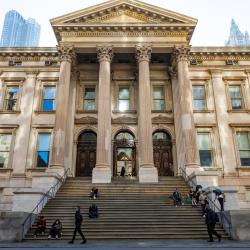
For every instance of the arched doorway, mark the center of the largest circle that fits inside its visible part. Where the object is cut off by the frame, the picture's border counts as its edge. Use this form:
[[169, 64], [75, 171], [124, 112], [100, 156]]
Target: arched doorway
[[86, 153], [163, 158], [125, 154]]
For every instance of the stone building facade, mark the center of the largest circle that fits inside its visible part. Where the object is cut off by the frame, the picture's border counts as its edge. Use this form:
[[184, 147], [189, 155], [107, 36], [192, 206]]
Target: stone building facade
[[124, 92]]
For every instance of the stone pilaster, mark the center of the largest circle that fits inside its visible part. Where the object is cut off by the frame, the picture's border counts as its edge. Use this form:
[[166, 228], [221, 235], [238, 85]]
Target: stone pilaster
[[147, 171], [102, 171], [23, 133], [184, 106], [224, 131], [67, 56]]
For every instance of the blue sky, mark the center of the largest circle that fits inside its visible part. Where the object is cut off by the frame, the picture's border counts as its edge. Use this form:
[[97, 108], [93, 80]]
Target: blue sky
[[214, 16]]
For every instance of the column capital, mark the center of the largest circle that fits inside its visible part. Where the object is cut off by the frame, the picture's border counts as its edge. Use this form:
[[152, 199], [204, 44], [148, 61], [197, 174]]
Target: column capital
[[181, 53], [104, 53], [66, 53], [31, 74], [143, 53], [172, 71], [216, 73]]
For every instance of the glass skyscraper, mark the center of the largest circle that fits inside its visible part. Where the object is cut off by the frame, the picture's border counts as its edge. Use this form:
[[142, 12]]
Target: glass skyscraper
[[18, 32]]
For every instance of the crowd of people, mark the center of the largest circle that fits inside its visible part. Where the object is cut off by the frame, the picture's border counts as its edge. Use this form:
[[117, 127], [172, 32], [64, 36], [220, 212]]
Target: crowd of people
[[55, 231], [199, 197], [194, 197]]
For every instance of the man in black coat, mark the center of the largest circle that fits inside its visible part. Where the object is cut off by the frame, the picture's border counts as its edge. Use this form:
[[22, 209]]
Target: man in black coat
[[211, 219], [78, 224]]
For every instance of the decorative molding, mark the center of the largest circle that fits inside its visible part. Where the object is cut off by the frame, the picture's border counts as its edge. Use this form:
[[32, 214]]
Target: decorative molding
[[162, 119], [124, 120], [181, 53], [172, 72], [143, 53], [66, 53], [104, 53], [86, 120]]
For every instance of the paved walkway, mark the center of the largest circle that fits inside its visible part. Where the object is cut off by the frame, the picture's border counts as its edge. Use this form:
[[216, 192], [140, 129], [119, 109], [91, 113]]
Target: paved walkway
[[130, 245]]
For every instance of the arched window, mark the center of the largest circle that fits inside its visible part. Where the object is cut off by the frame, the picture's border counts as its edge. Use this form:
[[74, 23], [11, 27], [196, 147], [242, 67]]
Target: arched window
[[87, 136], [124, 135], [161, 135]]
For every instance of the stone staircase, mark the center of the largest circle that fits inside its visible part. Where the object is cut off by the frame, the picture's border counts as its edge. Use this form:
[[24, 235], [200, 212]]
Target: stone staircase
[[127, 210]]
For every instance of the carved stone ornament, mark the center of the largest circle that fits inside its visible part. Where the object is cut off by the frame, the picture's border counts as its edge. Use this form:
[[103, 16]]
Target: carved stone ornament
[[181, 53], [66, 53], [143, 53], [86, 120], [162, 119], [172, 71], [104, 53], [124, 120]]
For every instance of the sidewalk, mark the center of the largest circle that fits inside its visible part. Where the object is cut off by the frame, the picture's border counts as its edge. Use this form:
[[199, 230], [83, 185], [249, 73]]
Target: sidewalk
[[137, 245]]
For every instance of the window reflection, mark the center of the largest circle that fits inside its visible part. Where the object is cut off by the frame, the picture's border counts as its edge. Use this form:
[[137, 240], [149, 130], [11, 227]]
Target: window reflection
[[49, 99], [43, 149]]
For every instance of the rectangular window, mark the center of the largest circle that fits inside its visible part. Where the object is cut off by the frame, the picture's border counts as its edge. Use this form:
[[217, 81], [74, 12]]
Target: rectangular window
[[244, 147], [205, 149], [236, 97], [11, 98], [158, 98], [49, 99], [5, 143], [124, 99], [89, 99], [199, 97], [43, 149]]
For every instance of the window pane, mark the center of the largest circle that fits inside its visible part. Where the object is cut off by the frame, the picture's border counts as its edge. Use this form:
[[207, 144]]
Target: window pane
[[236, 103], [44, 142], [245, 158], [49, 93], [159, 105], [243, 140], [161, 136], [48, 105], [204, 141], [4, 159], [234, 91], [89, 104], [123, 105], [124, 136], [12, 92], [199, 105], [205, 157], [89, 93], [158, 93], [124, 93], [5, 142], [42, 159], [198, 92]]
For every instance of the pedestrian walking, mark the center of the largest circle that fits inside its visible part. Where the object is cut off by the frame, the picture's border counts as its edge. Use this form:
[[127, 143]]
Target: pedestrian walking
[[211, 219], [221, 198], [78, 224]]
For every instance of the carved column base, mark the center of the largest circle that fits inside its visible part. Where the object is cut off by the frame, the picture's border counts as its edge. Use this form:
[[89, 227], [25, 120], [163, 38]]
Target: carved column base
[[148, 174], [101, 174]]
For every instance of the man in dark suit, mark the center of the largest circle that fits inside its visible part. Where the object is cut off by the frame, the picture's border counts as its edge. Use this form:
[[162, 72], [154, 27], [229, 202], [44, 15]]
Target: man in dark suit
[[78, 224], [211, 219]]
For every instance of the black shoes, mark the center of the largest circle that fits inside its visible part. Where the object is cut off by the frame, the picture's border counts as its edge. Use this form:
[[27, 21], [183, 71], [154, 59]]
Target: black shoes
[[84, 241], [210, 241], [219, 239], [71, 242]]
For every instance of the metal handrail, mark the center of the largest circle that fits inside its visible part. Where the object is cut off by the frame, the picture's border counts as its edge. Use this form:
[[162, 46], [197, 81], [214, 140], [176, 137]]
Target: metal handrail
[[223, 217], [29, 220]]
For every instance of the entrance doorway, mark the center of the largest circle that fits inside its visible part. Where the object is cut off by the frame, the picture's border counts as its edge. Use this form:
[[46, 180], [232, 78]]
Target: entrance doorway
[[124, 154], [163, 158], [86, 153]]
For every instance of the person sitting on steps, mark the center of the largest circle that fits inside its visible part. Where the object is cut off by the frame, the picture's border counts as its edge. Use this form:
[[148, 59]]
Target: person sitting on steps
[[177, 198], [93, 211], [94, 193], [40, 226], [56, 230]]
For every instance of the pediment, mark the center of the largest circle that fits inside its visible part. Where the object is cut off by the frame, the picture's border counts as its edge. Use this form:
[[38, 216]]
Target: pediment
[[123, 12]]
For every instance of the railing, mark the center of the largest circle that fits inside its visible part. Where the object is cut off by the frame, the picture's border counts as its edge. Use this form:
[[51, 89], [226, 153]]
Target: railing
[[28, 222], [224, 220]]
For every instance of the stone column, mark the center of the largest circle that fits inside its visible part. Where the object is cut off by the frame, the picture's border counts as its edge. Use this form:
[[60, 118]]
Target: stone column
[[224, 130], [147, 171], [24, 131], [66, 54], [186, 109], [102, 171]]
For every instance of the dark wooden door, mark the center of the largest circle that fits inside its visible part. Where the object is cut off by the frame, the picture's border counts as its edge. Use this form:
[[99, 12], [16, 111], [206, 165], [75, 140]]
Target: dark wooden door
[[86, 156], [163, 157]]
